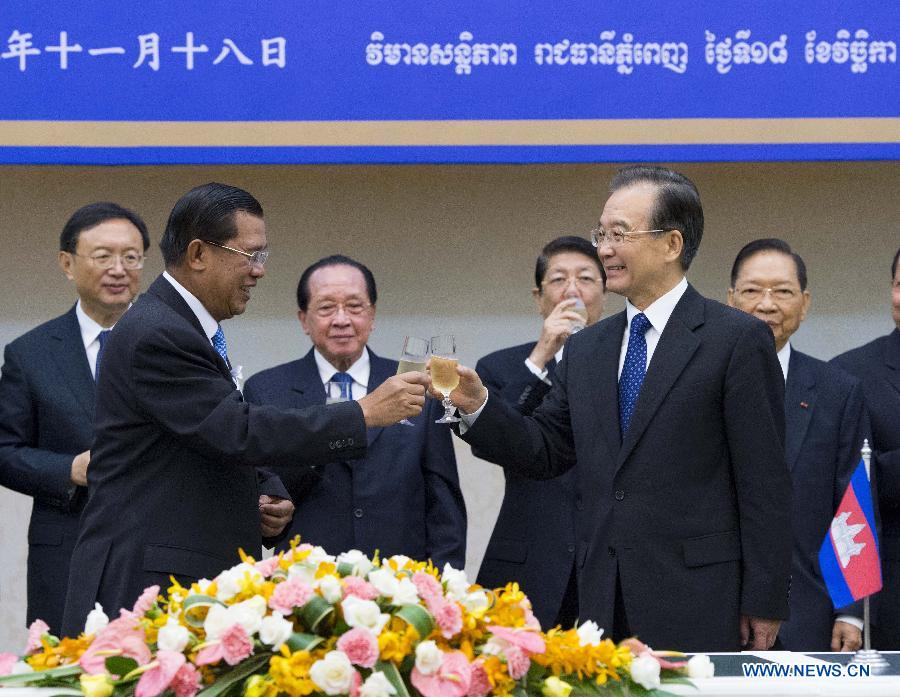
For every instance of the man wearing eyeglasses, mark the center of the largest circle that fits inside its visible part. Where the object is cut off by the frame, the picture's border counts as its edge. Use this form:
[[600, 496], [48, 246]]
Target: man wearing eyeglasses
[[173, 489], [47, 393], [672, 414], [877, 365], [825, 427], [403, 497], [533, 541]]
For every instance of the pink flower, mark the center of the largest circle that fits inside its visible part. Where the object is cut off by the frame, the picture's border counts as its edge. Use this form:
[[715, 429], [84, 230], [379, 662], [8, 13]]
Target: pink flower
[[236, 645], [480, 684], [528, 641], [360, 645], [355, 682], [362, 589], [155, 681], [145, 602], [211, 653], [37, 629], [637, 647], [7, 661], [186, 681], [269, 566], [517, 662], [427, 586], [448, 616], [289, 595], [121, 637], [452, 679]]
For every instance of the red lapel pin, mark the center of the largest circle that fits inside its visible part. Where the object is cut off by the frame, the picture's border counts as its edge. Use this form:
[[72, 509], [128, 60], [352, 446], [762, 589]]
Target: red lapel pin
[[804, 405]]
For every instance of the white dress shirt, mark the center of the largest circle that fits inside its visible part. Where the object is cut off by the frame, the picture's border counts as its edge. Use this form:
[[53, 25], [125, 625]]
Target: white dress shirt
[[359, 371], [90, 335], [658, 314], [542, 374]]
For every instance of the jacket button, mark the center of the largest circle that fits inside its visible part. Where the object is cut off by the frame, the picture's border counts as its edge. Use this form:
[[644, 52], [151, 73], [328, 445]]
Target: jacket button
[[358, 513], [571, 548], [620, 495]]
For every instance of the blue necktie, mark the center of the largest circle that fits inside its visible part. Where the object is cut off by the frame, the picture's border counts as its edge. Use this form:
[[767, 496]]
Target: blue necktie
[[346, 381], [101, 337], [633, 370], [218, 342]]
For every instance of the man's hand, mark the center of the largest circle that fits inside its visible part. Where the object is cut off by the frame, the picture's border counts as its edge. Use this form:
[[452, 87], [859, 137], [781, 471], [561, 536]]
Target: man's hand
[[557, 328], [761, 631], [274, 514], [398, 397], [845, 637], [469, 395], [79, 468]]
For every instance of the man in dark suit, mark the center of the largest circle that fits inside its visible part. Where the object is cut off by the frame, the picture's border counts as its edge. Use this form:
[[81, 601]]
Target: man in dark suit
[[684, 519], [877, 365], [172, 489], [825, 429], [534, 537], [47, 393], [403, 497]]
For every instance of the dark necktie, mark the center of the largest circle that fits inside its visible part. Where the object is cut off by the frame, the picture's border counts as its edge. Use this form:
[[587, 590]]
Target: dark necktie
[[101, 337], [218, 342], [346, 381], [633, 370]]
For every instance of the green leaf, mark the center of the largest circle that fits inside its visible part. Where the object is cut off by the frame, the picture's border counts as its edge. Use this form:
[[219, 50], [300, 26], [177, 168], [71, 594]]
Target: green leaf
[[393, 675], [418, 617], [198, 601], [241, 671], [345, 569], [41, 675], [303, 642], [120, 665], [316, 610], [519, 691]]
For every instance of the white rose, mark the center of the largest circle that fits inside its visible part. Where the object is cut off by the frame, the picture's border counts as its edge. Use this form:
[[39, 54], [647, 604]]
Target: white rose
[[172, 636], [217, 621], [494, 647], [203, 585], [407, 593], [400, 560], [330, 588], [229, 582], [248, 613], [428, 657], [700, 666], [275, 630], [476, 601], [377, 685], [364, 613], [384, 581], [302, 571], [589, 633], [457, 582], [645, 671], [317, 555], [359, 561], [333, 674], [96, 620]]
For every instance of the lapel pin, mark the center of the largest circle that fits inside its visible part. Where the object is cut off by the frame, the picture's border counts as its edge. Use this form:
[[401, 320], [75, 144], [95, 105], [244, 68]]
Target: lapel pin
[[804, 405]]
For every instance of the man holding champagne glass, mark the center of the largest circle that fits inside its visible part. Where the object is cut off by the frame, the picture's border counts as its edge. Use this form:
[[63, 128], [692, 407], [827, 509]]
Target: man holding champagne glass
[[354, 504]]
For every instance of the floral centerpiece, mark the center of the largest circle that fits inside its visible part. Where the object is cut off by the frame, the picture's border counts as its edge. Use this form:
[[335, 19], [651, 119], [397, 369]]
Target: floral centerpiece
[[308, 623]]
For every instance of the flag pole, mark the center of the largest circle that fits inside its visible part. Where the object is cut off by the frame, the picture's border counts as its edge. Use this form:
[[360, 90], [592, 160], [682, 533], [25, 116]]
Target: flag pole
[[867, 655]]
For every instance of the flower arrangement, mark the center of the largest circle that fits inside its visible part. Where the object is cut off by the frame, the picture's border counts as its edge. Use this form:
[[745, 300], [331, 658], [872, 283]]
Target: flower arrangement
[[308, 623]]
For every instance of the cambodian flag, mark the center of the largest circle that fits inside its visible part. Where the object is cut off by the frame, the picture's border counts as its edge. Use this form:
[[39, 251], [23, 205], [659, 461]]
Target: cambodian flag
[[849, 555]]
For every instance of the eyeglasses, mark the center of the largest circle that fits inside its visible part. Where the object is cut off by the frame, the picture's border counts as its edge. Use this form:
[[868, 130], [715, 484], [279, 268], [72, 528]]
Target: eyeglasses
[[583, 282], [617, 236], [329, 309], [103, 260], [257, 258], [755, 294]]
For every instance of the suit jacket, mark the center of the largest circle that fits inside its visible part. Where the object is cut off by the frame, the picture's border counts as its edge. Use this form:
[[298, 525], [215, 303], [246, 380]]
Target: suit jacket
[[403, 497], [691, 511], [877, 365], [826, 425], [172, 489], [534, 537], [46, 418]]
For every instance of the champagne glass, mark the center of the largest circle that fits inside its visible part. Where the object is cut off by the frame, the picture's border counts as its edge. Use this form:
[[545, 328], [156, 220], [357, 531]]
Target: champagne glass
[[579, 309], [443, 372], [412, 358]]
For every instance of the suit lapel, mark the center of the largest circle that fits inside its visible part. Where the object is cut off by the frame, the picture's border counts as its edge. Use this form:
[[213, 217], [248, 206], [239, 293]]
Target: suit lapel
[[307, 383], [67, 350], [380, 369], [799, 402], [892, 358], [674, 351], [603, 371]]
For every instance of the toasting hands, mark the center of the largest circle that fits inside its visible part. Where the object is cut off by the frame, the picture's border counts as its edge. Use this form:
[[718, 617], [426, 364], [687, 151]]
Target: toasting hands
[[398, 397], [469, 395]]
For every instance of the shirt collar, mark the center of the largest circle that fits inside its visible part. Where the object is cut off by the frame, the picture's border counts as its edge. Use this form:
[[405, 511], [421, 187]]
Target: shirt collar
[[661, 309], [784, 357], [90, 329], [359, 371], [210, 326]]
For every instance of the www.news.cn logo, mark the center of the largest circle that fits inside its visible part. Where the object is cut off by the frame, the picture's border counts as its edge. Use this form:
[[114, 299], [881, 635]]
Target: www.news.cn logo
[[808, 670]]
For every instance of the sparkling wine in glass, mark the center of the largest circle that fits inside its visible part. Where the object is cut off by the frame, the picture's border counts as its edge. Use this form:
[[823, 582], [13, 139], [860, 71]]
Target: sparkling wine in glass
[[413, 357], [444, 377]]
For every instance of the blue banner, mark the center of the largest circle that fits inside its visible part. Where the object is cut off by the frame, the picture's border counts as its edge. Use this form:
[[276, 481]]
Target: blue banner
[[517, 81]]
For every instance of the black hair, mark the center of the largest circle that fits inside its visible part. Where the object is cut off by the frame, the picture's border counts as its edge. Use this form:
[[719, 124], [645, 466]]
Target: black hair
[[768, 244], [560, 245], [334, 260], [92, 215]]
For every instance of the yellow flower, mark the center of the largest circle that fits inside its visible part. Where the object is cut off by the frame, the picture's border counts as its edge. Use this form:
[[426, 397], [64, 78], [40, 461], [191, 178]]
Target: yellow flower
[[290, 672], [554, 687], [258, 686], [95, 685]]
